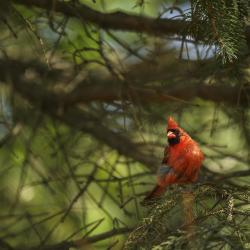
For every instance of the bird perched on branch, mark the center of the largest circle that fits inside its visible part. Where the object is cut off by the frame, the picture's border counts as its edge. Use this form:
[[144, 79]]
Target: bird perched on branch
[[181, 163]]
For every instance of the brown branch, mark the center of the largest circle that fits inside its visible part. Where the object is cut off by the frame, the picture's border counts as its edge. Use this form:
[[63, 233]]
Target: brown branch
[[104, 236], [188, 201], [116, 20], [234, 174], [181, 93], [109, 89], [66, 245]]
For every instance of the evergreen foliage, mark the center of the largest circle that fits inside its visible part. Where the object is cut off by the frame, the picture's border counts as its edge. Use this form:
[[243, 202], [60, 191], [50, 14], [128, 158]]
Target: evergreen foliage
[[219, 221], [222, 24]]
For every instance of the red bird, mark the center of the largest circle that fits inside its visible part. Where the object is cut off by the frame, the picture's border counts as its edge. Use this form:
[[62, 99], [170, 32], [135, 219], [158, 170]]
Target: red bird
[[181, 163]]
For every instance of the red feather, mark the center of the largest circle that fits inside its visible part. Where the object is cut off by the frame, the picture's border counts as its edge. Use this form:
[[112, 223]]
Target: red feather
[[182, 160]]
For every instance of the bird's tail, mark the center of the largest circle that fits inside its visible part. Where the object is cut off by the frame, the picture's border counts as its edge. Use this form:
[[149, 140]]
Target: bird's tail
[[154, 194]]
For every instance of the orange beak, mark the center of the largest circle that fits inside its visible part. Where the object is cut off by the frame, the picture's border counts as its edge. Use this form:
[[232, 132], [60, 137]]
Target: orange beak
[[171, 135]]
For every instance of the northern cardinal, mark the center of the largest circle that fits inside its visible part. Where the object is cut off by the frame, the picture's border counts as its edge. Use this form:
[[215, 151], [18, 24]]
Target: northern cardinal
[[181, 163]]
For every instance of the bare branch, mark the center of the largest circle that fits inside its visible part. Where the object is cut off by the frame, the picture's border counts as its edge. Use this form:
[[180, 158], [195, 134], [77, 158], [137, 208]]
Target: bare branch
[[66, 245], [116, 20], [98, 91]]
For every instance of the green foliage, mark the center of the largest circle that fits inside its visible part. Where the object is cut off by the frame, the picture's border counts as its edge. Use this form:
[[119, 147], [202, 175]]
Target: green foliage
[[219, 221], [223, 24]]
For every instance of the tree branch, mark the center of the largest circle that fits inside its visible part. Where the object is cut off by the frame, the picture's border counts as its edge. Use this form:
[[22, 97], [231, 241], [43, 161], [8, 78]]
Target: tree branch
[[182, 93], [116, 20], [109, 89], [66, 245], [104, 236]]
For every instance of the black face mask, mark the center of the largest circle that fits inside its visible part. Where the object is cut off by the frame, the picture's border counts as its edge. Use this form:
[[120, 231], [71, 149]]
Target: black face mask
[[176, 139]]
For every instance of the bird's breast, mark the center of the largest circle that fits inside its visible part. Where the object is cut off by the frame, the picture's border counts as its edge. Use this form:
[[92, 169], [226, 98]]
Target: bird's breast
[[188, 154]]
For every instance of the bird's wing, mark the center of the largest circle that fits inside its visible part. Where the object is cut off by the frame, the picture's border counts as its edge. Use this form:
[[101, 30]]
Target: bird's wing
[[166, 155], [181, 168], [164, 169]]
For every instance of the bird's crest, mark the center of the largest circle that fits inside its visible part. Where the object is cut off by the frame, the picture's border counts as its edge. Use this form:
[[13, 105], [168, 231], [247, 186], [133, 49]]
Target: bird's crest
[[172, 124]]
